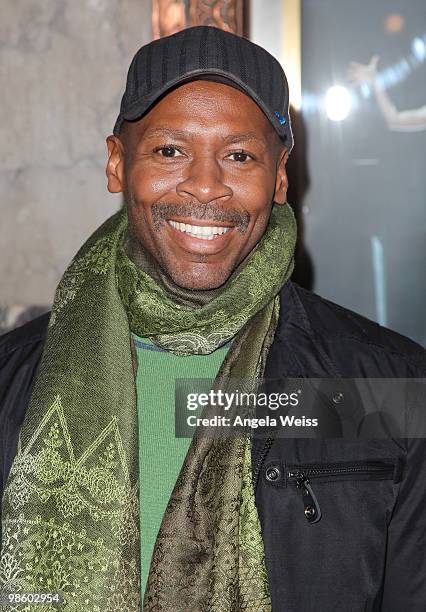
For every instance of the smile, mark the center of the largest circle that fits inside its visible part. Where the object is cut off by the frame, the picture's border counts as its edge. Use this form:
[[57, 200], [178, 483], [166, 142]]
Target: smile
[[204, 232]]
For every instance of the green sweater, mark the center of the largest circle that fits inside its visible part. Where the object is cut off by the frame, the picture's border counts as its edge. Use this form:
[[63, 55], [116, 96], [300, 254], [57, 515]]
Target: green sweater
[[161, 454]]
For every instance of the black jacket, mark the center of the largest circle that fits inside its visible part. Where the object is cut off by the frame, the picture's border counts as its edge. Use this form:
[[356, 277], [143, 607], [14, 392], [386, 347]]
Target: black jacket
[[368, 551]]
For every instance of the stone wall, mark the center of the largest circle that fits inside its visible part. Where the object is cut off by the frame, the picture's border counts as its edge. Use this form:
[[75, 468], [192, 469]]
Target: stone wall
[[62, 74]]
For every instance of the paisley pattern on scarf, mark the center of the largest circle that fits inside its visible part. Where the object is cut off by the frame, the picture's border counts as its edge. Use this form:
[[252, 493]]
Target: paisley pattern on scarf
[[202, 559], [184, 330], [72, 488], [251, 555], [97, 260], [70, 511]]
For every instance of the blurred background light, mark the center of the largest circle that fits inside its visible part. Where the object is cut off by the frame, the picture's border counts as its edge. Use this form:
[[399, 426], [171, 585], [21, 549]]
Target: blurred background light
[[394, 23], [338, 103], [418, 48]]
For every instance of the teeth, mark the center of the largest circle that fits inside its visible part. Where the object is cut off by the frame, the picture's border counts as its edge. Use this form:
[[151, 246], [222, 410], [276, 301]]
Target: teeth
[[201, 236], [199, 231]]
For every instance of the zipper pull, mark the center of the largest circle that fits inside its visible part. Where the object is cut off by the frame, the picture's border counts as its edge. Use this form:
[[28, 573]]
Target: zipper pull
[[310, 502]]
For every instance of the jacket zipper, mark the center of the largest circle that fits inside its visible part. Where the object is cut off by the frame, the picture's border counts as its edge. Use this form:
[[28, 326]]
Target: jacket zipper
[[265, 450], [302, 475]]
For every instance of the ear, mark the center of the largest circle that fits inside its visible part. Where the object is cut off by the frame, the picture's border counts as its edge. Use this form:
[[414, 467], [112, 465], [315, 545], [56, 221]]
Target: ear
[[281, 183], [115, 164]]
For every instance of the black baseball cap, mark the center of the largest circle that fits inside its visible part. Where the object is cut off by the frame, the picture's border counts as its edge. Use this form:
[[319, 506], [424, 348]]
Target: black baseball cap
[[207, 51]]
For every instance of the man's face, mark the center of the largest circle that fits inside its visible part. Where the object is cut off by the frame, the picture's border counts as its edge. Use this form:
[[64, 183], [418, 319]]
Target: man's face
[[199, 173]]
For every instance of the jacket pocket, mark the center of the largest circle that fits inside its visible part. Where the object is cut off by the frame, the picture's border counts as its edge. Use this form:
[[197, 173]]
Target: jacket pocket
[[307, 477]]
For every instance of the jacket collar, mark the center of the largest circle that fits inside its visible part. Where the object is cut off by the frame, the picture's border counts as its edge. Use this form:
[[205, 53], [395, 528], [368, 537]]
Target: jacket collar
[[297, 351]]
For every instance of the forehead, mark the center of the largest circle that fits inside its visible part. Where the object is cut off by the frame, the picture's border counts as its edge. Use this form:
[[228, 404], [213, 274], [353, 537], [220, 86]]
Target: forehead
[[207, 104]]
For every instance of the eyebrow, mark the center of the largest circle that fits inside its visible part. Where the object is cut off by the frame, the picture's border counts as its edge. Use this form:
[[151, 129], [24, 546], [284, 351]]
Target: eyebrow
[[186, 135], [246, 137], [167, 132]]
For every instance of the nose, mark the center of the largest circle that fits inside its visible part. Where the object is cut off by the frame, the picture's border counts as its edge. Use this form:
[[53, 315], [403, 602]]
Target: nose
[[203, 181]]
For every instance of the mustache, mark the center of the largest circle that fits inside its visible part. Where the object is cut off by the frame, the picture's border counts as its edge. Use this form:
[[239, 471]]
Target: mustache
[[162, 211]]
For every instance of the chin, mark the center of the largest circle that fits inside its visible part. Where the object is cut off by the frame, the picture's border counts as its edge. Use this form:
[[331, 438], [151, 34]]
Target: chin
[[198, 281]]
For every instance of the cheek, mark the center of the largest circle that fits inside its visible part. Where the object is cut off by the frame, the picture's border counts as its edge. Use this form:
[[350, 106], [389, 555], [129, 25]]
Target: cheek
[[261, 223], [147, 184], [255, 187], [258, 201]]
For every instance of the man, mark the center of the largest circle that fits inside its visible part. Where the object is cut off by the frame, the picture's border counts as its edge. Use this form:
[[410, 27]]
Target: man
[[191, 280]]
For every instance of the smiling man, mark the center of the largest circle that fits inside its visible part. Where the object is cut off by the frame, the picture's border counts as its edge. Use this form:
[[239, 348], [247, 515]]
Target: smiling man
[[200, 172], [102, 504]]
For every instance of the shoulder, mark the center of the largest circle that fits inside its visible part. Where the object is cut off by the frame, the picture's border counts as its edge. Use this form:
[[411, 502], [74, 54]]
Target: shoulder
[[20, 352], [32, 333], [351, 337]]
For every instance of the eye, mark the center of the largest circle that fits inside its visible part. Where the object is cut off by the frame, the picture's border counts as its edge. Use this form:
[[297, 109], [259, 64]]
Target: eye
[[240, 156], [168, 151]]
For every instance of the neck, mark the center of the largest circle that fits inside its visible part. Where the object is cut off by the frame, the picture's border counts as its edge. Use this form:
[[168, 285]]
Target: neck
[[194, 298]]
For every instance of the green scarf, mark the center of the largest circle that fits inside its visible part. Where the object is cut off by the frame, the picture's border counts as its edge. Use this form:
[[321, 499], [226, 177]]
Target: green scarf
[[70, 507]]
